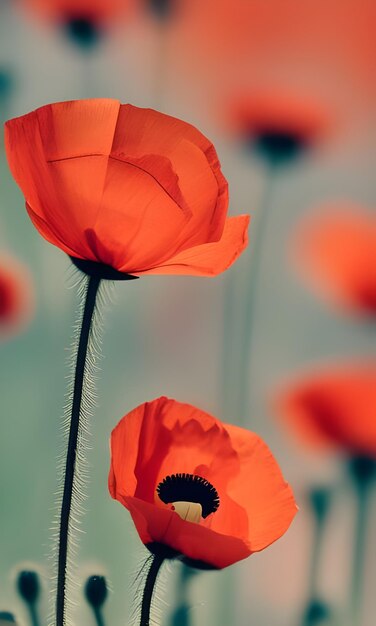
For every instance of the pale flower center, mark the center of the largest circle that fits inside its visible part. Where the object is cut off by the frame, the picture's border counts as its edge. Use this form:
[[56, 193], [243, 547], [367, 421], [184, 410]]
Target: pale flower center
[[188, 511]]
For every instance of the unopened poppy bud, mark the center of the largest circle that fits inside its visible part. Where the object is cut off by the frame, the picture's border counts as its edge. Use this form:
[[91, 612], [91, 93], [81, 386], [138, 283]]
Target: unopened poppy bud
[[96, 591], [189, 511], [28, 586]]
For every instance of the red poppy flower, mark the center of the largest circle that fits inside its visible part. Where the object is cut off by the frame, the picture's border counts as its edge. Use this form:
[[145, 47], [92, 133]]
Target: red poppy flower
[[209, 491], [325, 48], [336, 251], [83, 20], [279, 124], [16, 296], [334, 408], [98, 12], [130, 188]]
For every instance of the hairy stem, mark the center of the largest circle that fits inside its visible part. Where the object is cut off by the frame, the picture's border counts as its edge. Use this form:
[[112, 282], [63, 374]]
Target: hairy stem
[[149, 589], [89, 308]]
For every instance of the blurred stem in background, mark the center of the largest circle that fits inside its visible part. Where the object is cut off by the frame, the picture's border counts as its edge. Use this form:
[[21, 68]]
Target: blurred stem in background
[[6, 75], [237, 346], [181, 614], [162, 11], [236, 367], [6, 85], [29, 588], [260, 226], [363, 473], [85, 35], [317, 611], [96, 593]]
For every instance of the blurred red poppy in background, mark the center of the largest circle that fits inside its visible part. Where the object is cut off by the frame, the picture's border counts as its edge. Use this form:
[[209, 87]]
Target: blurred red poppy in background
[[210, 491], [84, 20], [335, 252], [16, 296], [280, 125], [324, 47], [130, 188], [334, 407], [97, 11]]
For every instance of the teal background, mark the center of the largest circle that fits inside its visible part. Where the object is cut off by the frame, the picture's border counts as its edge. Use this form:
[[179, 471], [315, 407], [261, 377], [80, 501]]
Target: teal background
[[164, 336]]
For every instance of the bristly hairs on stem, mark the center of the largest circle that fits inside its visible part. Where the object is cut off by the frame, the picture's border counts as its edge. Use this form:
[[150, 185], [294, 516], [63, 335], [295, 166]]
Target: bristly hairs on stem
[[82, 474], [158, 603]]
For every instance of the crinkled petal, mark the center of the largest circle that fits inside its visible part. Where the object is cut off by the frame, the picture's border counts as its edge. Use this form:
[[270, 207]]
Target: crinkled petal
[[261, 489], [207, 259], [195, 541]]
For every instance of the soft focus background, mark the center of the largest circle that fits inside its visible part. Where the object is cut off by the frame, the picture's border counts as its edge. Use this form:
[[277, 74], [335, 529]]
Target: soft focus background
[[164, 335]]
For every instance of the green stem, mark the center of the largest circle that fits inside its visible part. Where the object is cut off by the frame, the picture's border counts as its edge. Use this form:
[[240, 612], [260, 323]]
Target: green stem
[[257, 241], [74, 430], [99, 619], [363, 473], [316, 610], [181, 615], [151, 579], [34, 615], [359, 554], [320, 499]]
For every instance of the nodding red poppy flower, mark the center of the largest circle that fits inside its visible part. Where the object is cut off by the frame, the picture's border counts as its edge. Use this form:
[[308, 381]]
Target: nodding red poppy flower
[[129, 188], [327, 48], [279, 125], [16, 296], [84, 20], [335, 249], [334, 407], [211, 492]]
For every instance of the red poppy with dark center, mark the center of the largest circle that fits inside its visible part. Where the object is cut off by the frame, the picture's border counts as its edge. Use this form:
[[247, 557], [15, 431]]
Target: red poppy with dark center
[[324, 48], [335, 250], [130, 188], [278, 124], [98, 12], [211, 492], [334, 407], [16, 296], [84, 21]]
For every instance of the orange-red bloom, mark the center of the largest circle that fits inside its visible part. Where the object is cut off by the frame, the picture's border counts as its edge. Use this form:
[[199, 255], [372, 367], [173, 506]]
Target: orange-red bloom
[[171, 463], [16, 296], [336, 251], [83, 20], [130, 188], [334, 407], [279, 124], [325, 48], [95, 11]]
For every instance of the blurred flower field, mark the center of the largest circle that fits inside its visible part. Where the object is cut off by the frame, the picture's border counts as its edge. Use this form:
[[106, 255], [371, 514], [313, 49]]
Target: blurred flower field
[[262, 325]]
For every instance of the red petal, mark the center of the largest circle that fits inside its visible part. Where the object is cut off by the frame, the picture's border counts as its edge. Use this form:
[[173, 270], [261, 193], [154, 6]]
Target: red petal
[[208, 259]]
